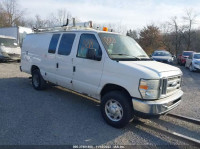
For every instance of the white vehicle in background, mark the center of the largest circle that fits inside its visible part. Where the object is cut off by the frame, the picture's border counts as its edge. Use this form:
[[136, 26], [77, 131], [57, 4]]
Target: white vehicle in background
[[9, 49], [19, 33], [107, 66], [193, 62]]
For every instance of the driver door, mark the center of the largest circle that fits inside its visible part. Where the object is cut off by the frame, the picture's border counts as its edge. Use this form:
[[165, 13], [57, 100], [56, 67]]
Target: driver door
[[87, 72]]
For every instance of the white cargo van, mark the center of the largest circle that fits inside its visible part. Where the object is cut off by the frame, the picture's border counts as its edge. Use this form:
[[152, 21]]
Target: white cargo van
[[9, 49], [107, 66]]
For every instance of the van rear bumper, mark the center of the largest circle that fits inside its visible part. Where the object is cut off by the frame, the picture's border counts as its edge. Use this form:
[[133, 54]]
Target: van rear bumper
[[157, 107]]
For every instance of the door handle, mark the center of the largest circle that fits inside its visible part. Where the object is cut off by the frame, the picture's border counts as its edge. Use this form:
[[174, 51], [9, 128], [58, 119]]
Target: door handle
[[74, 68], [57, 65]]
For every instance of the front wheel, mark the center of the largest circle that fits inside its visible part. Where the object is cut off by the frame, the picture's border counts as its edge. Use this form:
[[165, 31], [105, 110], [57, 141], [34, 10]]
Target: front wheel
[[37, 80], [117, 109]]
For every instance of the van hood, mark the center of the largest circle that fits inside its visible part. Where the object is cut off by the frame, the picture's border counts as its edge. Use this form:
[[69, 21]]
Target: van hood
[[151, 65]]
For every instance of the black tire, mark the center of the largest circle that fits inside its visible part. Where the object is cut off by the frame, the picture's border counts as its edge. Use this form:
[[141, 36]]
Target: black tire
[[41, 83], [125, 101]]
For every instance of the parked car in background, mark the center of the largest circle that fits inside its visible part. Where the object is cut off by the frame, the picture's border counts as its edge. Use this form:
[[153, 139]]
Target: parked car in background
[[182, 58], [162, 56], [193, 62], [9, 49], [18, 32]]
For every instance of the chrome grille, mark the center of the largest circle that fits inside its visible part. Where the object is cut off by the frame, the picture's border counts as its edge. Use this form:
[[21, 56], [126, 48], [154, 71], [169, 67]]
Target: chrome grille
[[170, 85]]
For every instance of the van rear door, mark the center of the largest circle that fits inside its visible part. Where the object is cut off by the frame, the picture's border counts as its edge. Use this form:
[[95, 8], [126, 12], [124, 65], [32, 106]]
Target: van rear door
[[50, 59]]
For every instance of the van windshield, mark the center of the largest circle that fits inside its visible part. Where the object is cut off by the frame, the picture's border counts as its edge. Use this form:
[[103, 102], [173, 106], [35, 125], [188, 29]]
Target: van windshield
[[120, 47], [8, 42]]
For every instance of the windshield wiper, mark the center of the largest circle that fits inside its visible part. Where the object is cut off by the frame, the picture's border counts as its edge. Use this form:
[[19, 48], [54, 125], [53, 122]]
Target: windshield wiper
[[127, 55]]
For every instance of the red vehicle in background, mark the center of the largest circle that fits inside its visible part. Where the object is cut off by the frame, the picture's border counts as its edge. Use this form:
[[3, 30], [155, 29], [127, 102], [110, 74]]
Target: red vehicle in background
[[182, 58]]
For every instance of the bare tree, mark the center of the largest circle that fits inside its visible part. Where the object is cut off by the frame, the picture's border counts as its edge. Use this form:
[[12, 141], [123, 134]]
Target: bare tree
[[2, 17], [133, 34], [12, 14], [39, 22], [177, 34], [190, 19], [167, 37]]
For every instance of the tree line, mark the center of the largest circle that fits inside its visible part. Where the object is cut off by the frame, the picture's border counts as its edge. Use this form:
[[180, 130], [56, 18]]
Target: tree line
[[175, 35]]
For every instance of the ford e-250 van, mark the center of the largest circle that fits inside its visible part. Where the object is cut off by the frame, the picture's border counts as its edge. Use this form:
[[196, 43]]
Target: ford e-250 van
[[107, 66]]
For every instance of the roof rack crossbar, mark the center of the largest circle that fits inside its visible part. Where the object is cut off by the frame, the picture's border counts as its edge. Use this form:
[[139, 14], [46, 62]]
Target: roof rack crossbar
[[75, 26]]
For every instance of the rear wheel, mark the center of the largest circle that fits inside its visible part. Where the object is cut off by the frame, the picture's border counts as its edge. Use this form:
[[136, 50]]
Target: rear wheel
[[37, 80], [117, 109]]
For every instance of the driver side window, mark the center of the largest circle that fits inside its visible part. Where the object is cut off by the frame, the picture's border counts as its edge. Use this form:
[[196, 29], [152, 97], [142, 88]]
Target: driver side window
[[88, 41]]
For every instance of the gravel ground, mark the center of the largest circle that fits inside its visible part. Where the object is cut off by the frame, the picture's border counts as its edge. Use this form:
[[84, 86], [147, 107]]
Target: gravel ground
[[56, 117]]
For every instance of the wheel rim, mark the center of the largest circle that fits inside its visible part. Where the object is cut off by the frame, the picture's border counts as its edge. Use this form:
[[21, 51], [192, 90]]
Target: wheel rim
[[114, 110], [36, 80]]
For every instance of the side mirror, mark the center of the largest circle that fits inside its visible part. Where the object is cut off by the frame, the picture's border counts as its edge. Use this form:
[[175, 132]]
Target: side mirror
[[92, 54]]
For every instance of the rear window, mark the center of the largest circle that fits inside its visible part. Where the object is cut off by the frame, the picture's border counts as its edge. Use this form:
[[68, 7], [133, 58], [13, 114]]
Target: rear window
[[53, 43], [66, 43]]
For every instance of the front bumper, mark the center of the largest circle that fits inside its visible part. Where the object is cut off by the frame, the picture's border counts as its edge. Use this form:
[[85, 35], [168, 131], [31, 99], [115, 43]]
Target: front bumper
[[10, 57], [157, 107], [164, 61], [197, 67]]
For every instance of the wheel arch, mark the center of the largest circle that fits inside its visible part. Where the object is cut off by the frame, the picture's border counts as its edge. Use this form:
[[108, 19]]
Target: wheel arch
[[113, 87], [34, 67]]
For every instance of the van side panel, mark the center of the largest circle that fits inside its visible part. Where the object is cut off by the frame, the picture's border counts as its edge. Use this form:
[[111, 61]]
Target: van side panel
[[34, 52]]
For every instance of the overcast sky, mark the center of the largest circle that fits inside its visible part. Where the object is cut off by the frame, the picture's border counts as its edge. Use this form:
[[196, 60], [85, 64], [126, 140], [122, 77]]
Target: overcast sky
[[132, 13]]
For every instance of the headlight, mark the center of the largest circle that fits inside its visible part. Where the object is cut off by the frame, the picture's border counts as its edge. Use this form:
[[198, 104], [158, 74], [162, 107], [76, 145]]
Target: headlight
[[149, 89], [170, 60]]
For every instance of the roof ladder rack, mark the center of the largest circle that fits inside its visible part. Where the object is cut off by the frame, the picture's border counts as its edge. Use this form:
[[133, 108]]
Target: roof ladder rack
[[73, 26]]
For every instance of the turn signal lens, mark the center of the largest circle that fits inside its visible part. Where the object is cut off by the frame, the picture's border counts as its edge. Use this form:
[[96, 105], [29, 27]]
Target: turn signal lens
[[144, 87]]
